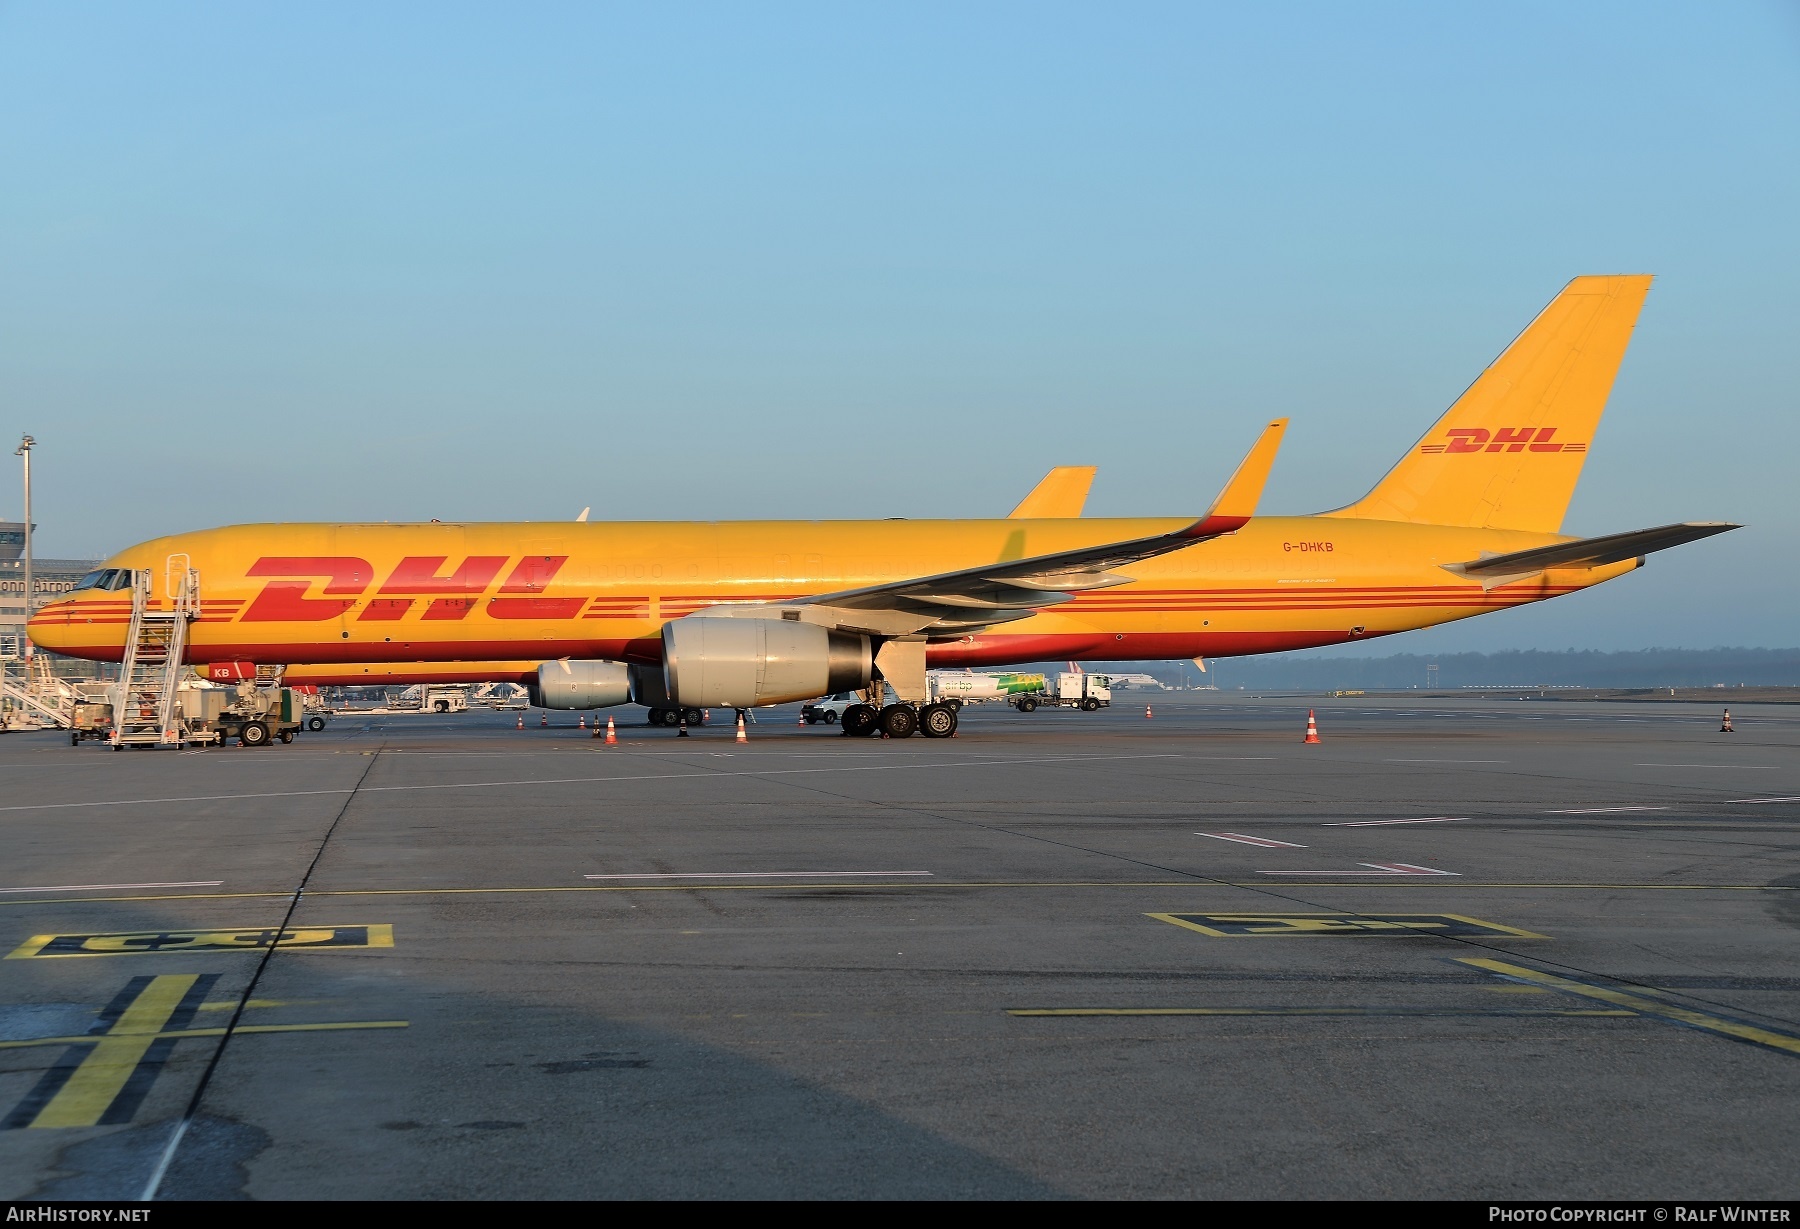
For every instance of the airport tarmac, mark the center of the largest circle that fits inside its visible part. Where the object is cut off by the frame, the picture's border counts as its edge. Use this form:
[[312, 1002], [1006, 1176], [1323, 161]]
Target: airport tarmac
[[1459, 949]]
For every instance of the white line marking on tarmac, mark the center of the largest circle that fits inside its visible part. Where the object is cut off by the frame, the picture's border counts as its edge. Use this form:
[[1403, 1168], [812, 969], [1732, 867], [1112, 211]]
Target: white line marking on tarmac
[[1443, 761], [1378, 823], [1376, 869], [1769, 767], [1241, 839], [106, 887], [1750, 802], [765, 875], [1604, 810], [649, 776]]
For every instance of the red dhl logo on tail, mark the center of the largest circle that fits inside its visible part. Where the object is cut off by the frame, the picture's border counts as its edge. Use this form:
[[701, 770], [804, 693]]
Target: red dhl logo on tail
[[1502, 439], [449, 596]]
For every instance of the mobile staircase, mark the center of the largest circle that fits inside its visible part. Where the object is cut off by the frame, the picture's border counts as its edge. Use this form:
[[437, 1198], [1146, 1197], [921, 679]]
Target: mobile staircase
[[34, 698], [144, 710]]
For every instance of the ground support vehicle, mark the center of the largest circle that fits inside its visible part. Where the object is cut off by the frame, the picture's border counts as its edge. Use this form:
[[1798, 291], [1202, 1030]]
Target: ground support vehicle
[[1087, 692], [91, 719], [830, 709]]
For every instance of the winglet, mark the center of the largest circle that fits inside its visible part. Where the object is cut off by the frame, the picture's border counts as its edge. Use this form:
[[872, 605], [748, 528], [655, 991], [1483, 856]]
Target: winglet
[[1236, 504], [1060, 495]]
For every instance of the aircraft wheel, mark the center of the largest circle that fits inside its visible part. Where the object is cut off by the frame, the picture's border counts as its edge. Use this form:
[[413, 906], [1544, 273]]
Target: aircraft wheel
[[671, 717], [654, 716], [937, 720], [254, 734], [899, 720], [860, 719], [694, 716]]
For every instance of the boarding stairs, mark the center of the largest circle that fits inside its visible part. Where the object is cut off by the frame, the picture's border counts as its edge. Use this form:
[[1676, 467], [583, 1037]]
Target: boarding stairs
[[35, 697], [144, 707]]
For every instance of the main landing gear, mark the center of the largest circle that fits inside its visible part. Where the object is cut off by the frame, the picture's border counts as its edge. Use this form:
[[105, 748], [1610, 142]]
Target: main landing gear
[[900, 720], [671, 717]]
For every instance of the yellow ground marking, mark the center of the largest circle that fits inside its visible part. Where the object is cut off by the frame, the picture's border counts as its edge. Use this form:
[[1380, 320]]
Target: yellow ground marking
[[1784, 1042], [231, 1004], [910, 885], [240, 939], [178, 1034], [102, 1074], [1269, 925], [1298, 1011]]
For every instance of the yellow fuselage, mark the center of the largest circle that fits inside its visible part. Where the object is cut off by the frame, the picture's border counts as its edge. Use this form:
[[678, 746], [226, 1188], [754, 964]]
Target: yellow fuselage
[[321, 595]]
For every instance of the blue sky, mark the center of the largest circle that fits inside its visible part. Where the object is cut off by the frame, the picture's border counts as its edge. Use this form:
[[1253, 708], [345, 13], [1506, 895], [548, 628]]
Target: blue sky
[[501, 262]]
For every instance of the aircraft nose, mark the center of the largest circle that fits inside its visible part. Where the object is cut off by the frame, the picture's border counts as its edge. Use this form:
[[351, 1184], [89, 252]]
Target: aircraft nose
[[51, 624]]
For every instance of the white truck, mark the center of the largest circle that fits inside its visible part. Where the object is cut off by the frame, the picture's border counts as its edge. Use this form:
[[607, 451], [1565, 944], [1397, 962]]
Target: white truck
[[1074, 689]]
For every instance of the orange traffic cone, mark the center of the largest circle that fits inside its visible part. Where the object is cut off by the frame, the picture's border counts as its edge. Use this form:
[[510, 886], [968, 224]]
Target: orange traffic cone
[[611, 737], [521, 721], [583, 722], [1312, 728], [545, 723], [741, 735], [1725, 725], [705, 716], [1146, 712]]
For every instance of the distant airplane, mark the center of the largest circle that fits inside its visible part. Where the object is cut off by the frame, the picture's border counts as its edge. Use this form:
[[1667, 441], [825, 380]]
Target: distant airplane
[[683, 615]]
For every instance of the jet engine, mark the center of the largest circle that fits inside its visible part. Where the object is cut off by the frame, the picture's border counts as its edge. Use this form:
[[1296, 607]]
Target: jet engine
[[741, 663], [579, 684]]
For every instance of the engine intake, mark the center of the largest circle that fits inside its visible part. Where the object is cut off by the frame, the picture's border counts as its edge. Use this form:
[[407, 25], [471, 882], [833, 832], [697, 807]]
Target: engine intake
[[579, 684], [741, 663]]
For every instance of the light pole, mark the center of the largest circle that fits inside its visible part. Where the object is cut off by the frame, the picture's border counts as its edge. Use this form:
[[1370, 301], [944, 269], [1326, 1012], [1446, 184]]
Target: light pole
[[24, 450]]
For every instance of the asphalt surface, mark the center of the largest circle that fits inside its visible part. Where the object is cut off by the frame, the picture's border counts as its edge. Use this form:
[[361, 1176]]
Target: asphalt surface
[[1469, 948]]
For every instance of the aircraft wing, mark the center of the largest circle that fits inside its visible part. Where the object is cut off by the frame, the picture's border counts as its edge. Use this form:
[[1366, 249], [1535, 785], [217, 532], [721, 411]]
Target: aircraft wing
[[1062, 493], [1000, 592], [1586, 552]]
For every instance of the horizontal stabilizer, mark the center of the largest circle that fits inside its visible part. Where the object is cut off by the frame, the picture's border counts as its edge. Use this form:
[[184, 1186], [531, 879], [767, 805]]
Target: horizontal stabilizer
[[1586, 552]]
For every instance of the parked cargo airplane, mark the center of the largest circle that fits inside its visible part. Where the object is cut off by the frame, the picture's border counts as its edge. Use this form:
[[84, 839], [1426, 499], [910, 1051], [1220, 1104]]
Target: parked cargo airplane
[[1059, 494], [735, 614]]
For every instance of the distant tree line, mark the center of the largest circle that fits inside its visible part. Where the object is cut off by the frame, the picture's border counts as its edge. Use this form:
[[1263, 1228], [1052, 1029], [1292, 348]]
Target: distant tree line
[[1521, 668]]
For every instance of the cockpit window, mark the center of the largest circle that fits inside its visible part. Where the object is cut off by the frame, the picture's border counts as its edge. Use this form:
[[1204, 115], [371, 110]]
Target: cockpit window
[[105, 580]]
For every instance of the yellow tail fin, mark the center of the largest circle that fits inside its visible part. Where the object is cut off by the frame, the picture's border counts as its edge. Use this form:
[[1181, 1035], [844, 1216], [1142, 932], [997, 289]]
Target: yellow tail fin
[[1507, 455]]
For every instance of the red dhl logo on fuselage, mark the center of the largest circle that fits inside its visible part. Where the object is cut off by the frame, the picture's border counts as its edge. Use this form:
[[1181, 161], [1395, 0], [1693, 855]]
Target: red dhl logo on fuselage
[[449, 596], [1502, 439]]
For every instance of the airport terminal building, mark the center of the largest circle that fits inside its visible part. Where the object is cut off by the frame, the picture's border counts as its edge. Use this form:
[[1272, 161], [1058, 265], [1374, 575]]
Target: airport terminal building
[[49, 579]]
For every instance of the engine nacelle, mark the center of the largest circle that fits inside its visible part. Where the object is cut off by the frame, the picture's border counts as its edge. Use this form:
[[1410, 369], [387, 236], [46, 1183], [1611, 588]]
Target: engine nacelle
[[741, 663], [579, 684]]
